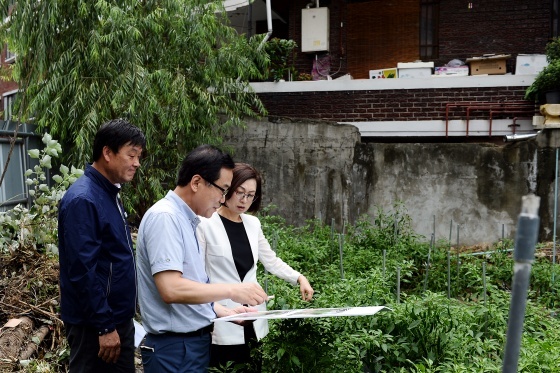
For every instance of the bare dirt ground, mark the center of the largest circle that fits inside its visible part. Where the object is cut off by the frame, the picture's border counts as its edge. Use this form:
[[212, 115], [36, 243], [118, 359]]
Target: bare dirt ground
[[29, 295], [28, 289]]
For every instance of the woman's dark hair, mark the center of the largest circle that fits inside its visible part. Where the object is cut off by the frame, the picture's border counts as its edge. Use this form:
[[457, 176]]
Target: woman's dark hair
[[206, 161], [115, 134], [241, 173]]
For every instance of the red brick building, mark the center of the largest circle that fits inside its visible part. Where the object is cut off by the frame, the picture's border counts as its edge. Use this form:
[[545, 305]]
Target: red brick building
[[368, 35], [375, 34], [7, 89], [365, 35]]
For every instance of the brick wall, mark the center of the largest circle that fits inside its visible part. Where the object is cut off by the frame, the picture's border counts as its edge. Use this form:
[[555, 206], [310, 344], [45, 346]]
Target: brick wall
[[493, 26], [490, 26], [4, 85], [385, 105]]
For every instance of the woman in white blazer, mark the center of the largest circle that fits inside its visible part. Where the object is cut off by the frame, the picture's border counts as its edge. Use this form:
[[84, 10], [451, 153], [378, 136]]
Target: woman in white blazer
[[232, 242]]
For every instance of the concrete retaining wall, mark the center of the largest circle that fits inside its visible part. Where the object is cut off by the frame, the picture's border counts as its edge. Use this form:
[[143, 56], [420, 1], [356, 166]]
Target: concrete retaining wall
[[314, 169]]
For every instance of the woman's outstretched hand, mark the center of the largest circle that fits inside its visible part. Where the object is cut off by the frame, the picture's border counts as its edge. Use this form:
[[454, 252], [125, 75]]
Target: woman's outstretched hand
[[305, 288]]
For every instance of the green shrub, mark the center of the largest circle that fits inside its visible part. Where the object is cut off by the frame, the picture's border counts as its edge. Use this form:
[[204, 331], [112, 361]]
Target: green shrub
[[36, 227], [423, 330], [426, 331]]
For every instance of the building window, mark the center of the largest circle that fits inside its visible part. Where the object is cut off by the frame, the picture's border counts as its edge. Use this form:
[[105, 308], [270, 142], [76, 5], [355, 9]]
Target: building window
[[8, 102], [554, 26], [13, 189], [429, 26], [10, 56]]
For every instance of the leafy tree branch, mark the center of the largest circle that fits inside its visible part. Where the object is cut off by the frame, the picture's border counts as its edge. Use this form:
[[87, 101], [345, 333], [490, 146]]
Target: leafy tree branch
[[175, 68]]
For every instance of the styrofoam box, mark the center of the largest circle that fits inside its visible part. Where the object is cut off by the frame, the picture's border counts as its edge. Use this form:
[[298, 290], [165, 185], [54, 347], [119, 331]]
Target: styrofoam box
[[383, 73], [415, 69], [528, 64], [452, 71]]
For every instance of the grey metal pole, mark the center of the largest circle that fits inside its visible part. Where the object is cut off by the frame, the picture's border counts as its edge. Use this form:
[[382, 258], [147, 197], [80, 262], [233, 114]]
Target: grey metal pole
[[449, 261], [384, 261], [398, 284], [428, 262], [340, 248], [395, 230], [485, 298], [396, 234], [448, 274], [555, 215], [458, 264], [333, 245], [524, 254]]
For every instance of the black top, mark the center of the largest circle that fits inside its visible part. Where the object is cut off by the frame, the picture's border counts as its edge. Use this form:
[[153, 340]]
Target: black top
[[240, 247]]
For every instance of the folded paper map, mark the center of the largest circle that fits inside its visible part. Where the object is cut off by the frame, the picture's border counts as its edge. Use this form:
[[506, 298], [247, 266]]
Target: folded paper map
[[303, 313]]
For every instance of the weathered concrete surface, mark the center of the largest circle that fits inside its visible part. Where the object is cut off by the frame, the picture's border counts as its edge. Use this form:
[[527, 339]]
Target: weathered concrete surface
[[320, 169], [548, 142], [306, 167]]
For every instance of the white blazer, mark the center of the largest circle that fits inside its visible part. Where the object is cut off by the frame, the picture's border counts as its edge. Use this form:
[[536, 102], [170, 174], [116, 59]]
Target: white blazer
[[220, 267]]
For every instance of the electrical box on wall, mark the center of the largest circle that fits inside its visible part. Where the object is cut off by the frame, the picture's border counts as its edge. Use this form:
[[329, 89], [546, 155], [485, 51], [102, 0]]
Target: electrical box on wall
[[315, 29]]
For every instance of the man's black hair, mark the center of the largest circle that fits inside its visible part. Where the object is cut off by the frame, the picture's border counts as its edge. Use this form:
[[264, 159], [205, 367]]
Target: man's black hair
[[115, 134], [206, 161]]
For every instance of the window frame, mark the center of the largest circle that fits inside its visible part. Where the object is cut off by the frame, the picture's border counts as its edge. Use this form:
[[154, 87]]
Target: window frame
[[10, 57], [429, 30], [8, 99]]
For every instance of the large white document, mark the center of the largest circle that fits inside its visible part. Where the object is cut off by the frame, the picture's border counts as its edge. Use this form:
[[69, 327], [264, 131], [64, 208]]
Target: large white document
[[303, 313]]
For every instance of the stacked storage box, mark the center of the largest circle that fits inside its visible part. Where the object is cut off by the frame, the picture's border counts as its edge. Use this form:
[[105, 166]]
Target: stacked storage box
[[415, 69]]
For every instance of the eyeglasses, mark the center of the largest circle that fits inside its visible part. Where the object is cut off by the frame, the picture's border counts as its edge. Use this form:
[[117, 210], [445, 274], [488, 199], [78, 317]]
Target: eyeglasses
[[224, 191], [240, 195]]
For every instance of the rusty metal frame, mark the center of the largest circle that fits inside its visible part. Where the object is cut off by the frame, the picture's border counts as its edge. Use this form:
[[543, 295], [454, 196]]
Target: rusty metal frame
[[521, 108]]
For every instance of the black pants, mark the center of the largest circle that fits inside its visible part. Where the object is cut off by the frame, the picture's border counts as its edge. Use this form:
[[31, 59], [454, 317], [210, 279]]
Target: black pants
[[84, 347], [248, 354]]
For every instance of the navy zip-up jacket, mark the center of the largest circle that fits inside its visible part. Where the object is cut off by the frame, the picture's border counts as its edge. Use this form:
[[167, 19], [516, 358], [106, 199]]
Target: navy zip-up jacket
[[97, 270]]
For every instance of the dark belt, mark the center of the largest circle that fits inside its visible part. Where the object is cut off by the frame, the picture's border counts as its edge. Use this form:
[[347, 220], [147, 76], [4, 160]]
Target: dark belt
[[197, 333]]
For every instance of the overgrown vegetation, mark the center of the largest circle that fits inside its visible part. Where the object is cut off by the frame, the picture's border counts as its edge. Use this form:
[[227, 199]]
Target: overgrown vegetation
[[548, 79], [281, 59], [383, 263], [29, 260], [175, 68], [426, 331], [36, 227]]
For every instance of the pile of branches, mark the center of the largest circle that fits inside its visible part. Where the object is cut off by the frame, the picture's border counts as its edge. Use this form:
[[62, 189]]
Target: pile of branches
[[29, 303]]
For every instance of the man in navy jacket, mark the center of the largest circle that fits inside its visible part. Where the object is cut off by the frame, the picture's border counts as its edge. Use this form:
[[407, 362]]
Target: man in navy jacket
[[97, 269]]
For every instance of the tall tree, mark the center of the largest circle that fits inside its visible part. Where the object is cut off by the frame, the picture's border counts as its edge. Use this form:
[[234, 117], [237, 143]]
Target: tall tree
[[173, 67]]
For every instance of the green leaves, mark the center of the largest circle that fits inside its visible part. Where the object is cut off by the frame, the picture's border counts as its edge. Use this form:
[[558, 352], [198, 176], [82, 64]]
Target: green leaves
[[36, 227], [426, 331], [548, 78], [174, 68], [280, 51]]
